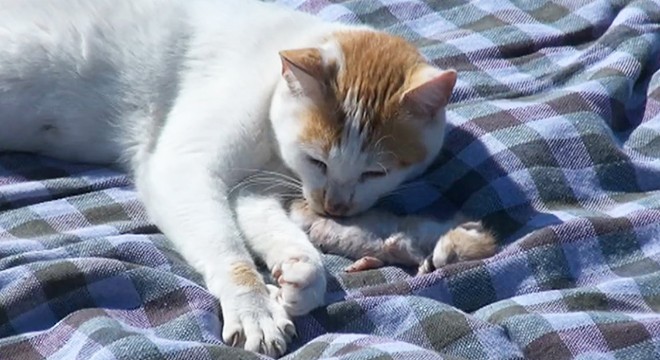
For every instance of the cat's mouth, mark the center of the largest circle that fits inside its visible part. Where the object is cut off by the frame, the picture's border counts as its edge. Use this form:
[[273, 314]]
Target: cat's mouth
[[326, 211], [323, 206]]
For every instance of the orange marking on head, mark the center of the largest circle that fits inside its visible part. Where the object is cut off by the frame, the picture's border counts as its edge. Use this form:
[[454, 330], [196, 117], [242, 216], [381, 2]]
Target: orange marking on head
[[377, 70], [321, 127]]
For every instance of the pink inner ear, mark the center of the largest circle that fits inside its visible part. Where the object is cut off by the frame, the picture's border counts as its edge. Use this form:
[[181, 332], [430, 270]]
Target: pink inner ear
[[307, 60], [286, 65], [303, 71], [432, 95]]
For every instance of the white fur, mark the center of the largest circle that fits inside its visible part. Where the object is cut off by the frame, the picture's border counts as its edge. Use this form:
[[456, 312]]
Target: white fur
[[179, 91], [346, 162]]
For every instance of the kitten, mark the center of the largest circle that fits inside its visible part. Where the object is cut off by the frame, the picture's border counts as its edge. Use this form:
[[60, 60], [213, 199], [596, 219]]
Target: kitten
[[376, 238], [194, 96]]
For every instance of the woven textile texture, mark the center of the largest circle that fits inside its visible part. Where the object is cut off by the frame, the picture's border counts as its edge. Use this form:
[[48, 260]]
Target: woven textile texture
[[554, 141]]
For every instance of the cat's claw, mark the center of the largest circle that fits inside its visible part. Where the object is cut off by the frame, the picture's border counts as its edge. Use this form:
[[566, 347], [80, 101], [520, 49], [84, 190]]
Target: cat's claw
[[302, 284], [261, 326], [289, 329]]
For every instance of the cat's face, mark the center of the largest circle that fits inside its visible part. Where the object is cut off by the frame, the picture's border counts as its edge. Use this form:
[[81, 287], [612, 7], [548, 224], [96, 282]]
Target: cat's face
[[357, 116]]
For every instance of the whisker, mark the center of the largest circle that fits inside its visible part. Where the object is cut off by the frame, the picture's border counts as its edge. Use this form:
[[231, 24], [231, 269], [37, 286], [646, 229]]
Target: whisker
[[376, 146], [271, 178], [382, 167], [267, 179], [381, 153], [273, 186], [274, 173], [269, 185], [289, 196]]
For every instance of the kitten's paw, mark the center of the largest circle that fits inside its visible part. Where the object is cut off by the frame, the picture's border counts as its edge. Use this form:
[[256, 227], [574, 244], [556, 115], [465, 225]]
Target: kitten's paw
[[468, 241], [399, 249], [365, 263], [256, 322], [302, 284]]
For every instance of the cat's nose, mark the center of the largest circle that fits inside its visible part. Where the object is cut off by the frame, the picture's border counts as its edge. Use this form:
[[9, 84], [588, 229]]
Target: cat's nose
[[335, 208]]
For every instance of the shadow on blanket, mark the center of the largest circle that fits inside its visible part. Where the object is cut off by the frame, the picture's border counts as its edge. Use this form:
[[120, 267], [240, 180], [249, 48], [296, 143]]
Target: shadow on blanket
[[553, 142]]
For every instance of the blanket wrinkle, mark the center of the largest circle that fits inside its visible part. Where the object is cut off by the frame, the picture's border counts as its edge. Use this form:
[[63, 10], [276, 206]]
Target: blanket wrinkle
[[553, 141]]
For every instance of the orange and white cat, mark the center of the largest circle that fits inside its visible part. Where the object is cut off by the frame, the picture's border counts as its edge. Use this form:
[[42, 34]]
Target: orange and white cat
[[195, 97]]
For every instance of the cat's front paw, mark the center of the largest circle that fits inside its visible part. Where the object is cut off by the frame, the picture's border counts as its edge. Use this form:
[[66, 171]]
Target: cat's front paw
[[302, 284], [468, 241], [256, 322]]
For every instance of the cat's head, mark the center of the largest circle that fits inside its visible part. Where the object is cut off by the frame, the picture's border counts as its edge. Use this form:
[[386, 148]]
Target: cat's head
[[357, 116]]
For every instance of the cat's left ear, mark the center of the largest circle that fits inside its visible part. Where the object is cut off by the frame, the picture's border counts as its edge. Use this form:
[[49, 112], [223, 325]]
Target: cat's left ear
[[429, 91], [303, 71]]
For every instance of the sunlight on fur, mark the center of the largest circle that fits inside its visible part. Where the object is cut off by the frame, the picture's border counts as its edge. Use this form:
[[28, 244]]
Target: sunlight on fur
[[223, 111]]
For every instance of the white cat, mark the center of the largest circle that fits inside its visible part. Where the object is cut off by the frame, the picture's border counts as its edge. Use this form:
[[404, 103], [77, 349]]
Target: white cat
[[195, 96]]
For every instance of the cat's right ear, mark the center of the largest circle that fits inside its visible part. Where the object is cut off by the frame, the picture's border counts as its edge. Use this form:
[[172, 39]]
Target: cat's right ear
[[303, 71], [430, 90]]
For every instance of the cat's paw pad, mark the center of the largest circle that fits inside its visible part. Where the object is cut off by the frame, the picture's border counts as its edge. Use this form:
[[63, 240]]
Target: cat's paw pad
[[302, 284], [256, 322], [468, 241]]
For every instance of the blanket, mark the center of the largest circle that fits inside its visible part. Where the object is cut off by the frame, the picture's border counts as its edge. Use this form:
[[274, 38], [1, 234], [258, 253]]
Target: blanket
[[554, 141]]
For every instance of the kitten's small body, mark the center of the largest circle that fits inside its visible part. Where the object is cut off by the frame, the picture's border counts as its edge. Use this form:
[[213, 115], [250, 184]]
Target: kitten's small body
[[194, 96], [377, 238]]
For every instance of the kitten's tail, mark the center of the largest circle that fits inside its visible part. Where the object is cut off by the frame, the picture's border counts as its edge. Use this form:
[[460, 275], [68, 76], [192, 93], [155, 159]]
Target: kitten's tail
[[468, 241]]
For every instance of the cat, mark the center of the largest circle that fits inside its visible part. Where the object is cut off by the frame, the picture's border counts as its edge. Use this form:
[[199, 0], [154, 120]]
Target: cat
[[193, 97]]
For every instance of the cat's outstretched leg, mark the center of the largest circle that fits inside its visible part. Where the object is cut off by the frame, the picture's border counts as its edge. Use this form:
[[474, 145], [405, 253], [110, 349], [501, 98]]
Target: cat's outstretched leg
[[294, 262], [184, 182], [181, 198]]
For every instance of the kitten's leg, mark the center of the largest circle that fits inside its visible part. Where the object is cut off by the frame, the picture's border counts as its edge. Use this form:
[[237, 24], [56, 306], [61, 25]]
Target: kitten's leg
[[468, 241], [292, 259], [185, 201], [376, 238], [365, 263]]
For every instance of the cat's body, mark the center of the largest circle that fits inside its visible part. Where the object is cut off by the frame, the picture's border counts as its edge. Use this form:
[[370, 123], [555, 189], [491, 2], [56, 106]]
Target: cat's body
[[99, 67], [192, 97]]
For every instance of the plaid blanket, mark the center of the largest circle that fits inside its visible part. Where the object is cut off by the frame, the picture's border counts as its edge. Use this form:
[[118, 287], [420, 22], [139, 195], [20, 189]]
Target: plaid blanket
[[554, 142]]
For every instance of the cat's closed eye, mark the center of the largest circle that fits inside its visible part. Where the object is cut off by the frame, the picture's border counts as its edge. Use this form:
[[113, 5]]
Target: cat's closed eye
[[318, 163], [372, 175]]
